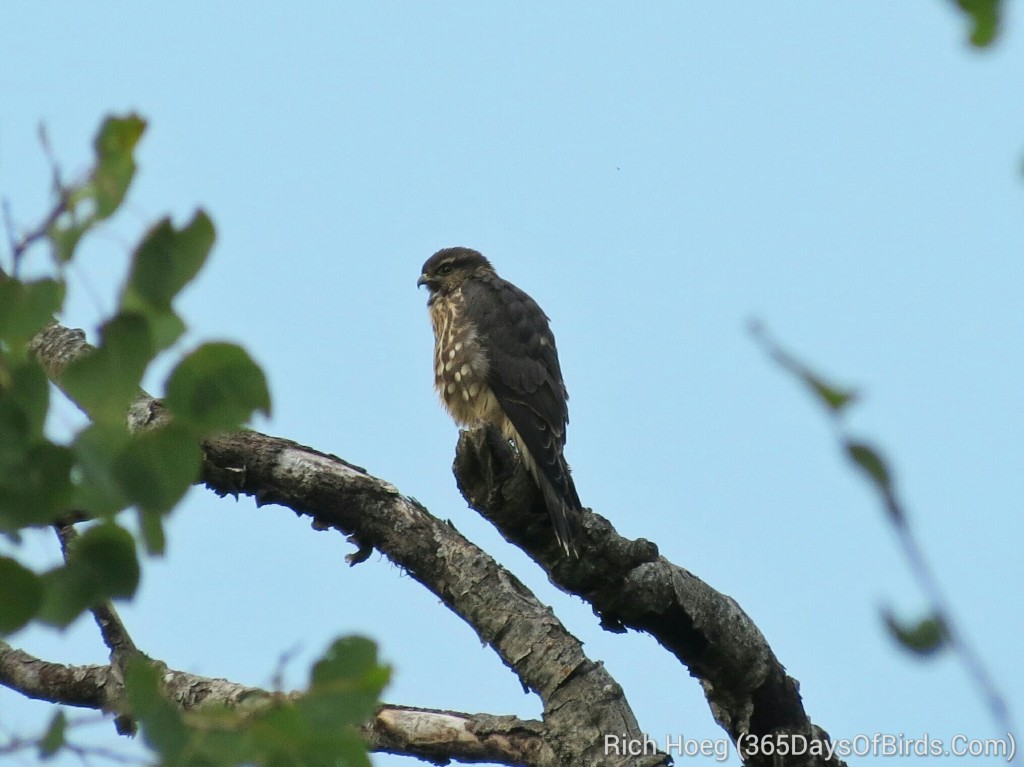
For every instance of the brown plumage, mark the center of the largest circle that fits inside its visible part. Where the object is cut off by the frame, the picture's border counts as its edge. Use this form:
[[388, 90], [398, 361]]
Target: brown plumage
[[495, 362]]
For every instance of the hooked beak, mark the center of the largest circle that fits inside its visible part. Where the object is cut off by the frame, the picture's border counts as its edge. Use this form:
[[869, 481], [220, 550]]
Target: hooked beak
[[422, 281]]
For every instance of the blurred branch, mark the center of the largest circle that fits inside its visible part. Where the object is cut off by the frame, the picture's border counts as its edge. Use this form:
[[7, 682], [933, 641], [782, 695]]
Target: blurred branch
[[876, 469], [962, 647], [112, 629], [84, 752], [115, 635], [19, 245]]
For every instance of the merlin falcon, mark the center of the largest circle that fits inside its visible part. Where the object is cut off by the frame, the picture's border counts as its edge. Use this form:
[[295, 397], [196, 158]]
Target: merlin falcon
[[495, 363]]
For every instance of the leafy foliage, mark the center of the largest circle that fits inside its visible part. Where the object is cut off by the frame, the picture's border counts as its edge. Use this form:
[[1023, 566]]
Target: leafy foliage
[[115, 162], [217, 387], [105, 382], [164, 263], [24, 308], [21, 594], [101, 564], [83, 206], [104, 469], [316, 727], [937, 630]]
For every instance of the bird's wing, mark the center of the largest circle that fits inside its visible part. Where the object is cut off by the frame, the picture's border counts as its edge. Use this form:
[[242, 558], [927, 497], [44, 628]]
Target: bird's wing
[[526, 379]]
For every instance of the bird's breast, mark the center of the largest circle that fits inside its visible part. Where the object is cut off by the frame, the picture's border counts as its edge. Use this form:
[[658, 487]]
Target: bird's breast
[[460, 363]]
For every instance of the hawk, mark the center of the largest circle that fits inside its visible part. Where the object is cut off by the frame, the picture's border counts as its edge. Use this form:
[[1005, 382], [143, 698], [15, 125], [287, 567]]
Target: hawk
[[495, 362]]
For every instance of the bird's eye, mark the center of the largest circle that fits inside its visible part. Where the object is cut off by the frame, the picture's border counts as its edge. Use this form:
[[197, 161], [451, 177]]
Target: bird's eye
[[445, 269]]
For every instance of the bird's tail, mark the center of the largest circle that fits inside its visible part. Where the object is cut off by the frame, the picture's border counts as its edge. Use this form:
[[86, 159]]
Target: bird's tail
[[563, 505], [551, 475]]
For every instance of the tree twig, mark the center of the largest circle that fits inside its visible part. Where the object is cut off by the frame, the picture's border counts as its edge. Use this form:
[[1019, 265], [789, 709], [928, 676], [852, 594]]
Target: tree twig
[[112, 629], [835, 400], [115, 635]]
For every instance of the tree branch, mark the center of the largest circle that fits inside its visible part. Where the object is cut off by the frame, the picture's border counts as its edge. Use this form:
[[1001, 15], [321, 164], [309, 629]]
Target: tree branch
[[81, 686], [582, 702], [429, 734], [437, 736], [631, 586], [112, 629]]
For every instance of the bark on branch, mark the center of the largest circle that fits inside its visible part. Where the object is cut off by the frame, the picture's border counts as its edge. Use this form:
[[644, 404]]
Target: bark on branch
[[112, 629], [631, 586], [428, 734], [582, 702], [628, 583]]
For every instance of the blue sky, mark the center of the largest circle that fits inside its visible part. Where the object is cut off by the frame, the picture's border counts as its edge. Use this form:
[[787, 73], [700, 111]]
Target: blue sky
[[848, 173]]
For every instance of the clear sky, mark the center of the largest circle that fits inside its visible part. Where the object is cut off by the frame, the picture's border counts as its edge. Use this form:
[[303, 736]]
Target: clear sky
[[849, 173]]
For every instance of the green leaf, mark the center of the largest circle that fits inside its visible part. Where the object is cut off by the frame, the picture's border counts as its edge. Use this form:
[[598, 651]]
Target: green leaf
[[25, 307], [65, 235], [217, 387], [31, 391], [38, 490], [283, 736], [167, 328], [924, 637], [101, 565], [151, 525], [21, 594], [875, 469], [105, 555], [347, 659], [65, 596], [24, 401], [105, 382], [157, 467], [53, 740], [345, 685], [280, 730], [14, 438], [984, 16], [834, 398], [97, 488], [216, 738], [166, 261], [115, 163], [348, 749], [163, 729], [870, 462], [151, 470], [277, 733]]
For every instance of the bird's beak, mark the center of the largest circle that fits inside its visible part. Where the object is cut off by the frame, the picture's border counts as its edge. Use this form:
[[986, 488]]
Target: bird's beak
[[422, 281]]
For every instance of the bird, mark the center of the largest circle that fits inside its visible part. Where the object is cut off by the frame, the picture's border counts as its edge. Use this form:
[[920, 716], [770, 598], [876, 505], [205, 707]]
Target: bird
[[495, 362]]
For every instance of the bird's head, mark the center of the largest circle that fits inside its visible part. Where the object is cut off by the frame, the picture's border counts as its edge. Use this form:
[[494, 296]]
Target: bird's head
[[448, 269]]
